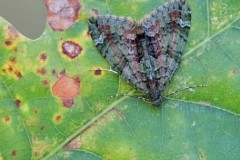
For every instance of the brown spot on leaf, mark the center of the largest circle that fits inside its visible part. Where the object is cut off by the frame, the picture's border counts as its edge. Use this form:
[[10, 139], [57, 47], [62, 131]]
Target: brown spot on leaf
[[62, 14], [58, 118], [202, 156], [13, 33], [54, 72], [13, 60], [36, 154], [18, 102], [7, 119], [68, 102], [43, 57], [10, 68], [14, 153], [8, 43], [98, 72], [11, 37], [119, 112], [233, 72], [36, 111], [18, 74], [42, 128], [41, 71], [4, 70], [45, 83], [71, 49], [66, 88], [73, 144], [63, 72]]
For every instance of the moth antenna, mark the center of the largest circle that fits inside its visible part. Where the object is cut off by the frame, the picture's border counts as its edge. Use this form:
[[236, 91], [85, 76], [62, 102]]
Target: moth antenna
[[187, 88]]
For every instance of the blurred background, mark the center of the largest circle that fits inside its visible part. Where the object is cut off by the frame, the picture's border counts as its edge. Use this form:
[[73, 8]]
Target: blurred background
[[27, 16]]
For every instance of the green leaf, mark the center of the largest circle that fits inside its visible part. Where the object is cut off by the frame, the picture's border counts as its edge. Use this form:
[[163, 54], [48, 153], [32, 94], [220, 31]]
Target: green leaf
[[37, 118], [180, 130]]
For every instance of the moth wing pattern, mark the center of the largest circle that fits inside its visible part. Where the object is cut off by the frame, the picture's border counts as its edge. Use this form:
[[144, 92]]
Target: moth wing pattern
[[166, 30], [115, 38]]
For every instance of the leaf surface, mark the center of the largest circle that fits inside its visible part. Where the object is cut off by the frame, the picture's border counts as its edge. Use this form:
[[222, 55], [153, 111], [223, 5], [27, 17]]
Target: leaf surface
[[37, 119]]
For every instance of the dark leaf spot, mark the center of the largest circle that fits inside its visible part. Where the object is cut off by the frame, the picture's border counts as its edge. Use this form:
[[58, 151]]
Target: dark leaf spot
[[63, 72], [42, 71], [36, 154], [14, 153], [36, 111], [43, 56], [98, 72], [10, 68], [12, 35], [7, 119], [68, 102], [54, 72], [18, 74], [58, 118], [13, 60], [233, 72], [45, 83], [119, 112], [4, 70], [42, 128], [18, 102], [71, 49], [8, 43]]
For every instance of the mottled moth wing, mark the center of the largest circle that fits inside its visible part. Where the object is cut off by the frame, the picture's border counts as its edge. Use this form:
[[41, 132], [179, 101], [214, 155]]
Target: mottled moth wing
[[166, 30], [145, 54], [116, 39]]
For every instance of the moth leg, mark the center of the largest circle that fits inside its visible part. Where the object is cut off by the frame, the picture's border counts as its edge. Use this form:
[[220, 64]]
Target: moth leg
[[148, 100], [186, 88]]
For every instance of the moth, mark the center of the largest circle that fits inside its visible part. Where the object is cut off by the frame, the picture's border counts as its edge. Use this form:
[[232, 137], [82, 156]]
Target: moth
[[145, 53]]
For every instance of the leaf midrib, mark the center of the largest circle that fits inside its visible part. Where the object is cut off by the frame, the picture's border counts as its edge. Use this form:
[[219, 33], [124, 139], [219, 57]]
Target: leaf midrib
[[92, 121]]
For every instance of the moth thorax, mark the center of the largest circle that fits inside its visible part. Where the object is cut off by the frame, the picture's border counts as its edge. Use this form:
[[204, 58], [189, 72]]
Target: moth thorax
[[139, 31]]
